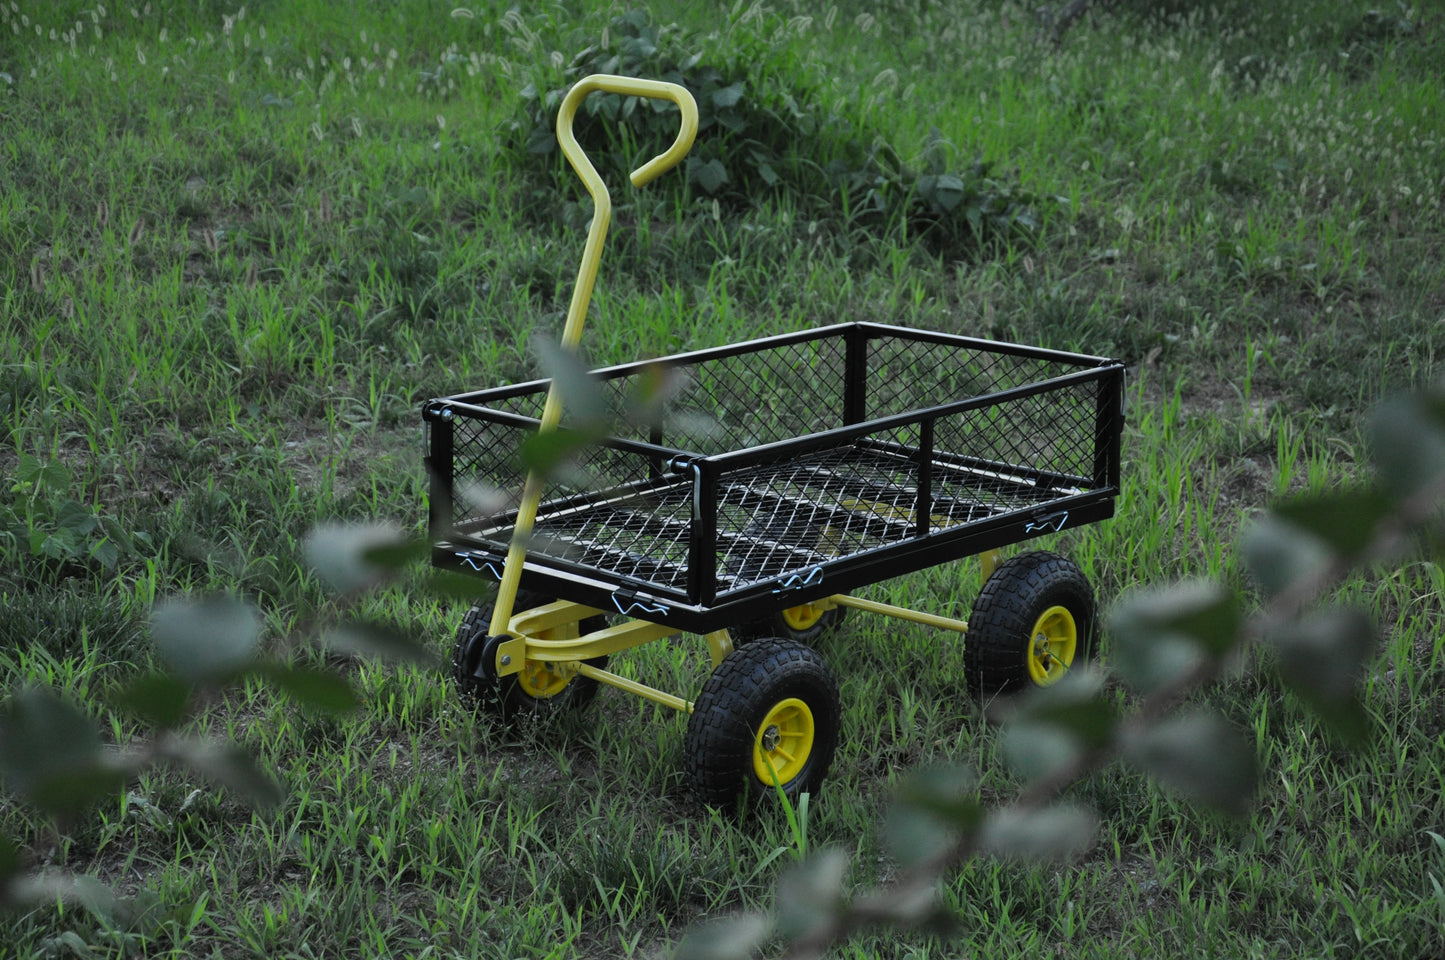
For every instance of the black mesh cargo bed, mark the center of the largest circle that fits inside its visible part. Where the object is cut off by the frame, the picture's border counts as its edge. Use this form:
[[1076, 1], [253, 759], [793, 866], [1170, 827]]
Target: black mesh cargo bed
[[760, 475]]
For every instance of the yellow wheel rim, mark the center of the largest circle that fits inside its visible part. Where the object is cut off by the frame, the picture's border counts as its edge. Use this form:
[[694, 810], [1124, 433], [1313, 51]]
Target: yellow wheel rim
[[803, 617], [784, 741], [536, 680], [1052, 644]]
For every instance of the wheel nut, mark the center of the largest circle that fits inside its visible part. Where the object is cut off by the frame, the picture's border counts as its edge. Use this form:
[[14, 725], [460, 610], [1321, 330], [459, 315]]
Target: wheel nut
[[771, 737]]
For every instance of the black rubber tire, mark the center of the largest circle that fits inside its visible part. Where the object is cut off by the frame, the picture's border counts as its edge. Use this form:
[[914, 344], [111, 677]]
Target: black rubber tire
[[503, 698], [727, 717], [998, 643], [775, 626]]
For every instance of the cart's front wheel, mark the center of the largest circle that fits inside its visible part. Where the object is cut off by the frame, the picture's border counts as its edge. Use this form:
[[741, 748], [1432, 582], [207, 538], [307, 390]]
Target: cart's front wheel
[[805, 623], [535, 692], [1033, 620], [768, 715]]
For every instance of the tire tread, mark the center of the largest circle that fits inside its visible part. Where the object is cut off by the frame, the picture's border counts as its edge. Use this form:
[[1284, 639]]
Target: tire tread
[[719, 742], [1006, 609]]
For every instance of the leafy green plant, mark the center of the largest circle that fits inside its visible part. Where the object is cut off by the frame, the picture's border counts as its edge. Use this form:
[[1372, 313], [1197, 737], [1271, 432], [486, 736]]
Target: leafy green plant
[[45, 520], [765, 134]]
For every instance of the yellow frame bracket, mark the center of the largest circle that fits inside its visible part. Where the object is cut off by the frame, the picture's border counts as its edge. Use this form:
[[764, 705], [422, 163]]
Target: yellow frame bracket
[[511, 655], [586, 278]]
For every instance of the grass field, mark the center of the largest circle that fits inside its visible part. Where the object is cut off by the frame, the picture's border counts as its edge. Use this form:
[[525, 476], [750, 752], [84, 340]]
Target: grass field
[[240, 246]]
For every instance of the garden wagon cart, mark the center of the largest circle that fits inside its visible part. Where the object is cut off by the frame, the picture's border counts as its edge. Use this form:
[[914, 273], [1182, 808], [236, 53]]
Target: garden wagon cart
[[778, 474]]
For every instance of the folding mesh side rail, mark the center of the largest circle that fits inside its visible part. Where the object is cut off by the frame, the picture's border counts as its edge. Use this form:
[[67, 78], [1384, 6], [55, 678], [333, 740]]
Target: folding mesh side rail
[[911, 374]]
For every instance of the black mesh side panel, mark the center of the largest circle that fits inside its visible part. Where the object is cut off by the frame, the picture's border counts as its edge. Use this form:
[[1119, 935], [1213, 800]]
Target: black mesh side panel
[[906, 375], [1029, 449]]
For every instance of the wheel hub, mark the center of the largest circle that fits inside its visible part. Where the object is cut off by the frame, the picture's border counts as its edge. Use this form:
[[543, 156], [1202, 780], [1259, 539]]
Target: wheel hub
[[784, 741], [1041, 650], [803, 617], [1054, 643]]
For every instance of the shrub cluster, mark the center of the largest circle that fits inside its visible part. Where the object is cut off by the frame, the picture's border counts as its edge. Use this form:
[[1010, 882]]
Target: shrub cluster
[[764, 135]]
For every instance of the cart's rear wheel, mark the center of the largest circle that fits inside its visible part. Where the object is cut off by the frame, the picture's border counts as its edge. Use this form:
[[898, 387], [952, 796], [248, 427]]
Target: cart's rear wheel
[[770, 711], [535, 692], [1033, 620], [805, 623]]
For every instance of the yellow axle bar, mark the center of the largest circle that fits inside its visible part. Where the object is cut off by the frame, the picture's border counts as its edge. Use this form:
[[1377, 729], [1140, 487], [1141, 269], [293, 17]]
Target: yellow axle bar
[[898, 613], [633, 687]]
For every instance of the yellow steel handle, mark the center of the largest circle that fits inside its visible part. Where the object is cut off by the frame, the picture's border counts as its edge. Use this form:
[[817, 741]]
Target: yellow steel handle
[[586, 278], [601, 199], [628, 86]]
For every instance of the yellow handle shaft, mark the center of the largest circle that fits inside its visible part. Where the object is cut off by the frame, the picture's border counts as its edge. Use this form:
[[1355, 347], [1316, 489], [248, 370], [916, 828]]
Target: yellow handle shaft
[[586, 278]]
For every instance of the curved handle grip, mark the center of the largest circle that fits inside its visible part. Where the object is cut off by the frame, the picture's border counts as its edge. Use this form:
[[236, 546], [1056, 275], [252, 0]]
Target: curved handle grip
[[628, 86]]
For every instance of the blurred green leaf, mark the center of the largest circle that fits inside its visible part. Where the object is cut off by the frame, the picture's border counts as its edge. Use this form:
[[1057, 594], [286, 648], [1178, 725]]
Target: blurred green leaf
[[1345, 520], [1036, 750], [582, 398], [398, 555], [948, 191], [1078, 704], [1160, 635], [1279, 554], [156, 699], [1208, 613], [1407, 441], [948, 793], [227, 765], [455, 586], [1050, 727], [547, 452], [1053, 833], [75, 517], [339, 553], [29, 468], [319, 689], [931, 808], [656, 385], [105, 553], [919, 907], [45, 889], [912, 836], [1201, 756], [51, 754], [60, 545], [736, 938], [206, 640], [1322, 658], [810, 895], [364, 639], [1347, 719], [1324, 653], [480, 497], [54, 475]]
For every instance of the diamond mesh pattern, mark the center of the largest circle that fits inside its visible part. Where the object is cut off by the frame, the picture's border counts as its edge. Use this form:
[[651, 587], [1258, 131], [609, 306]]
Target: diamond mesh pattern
[[623, 514], [906, 375]]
